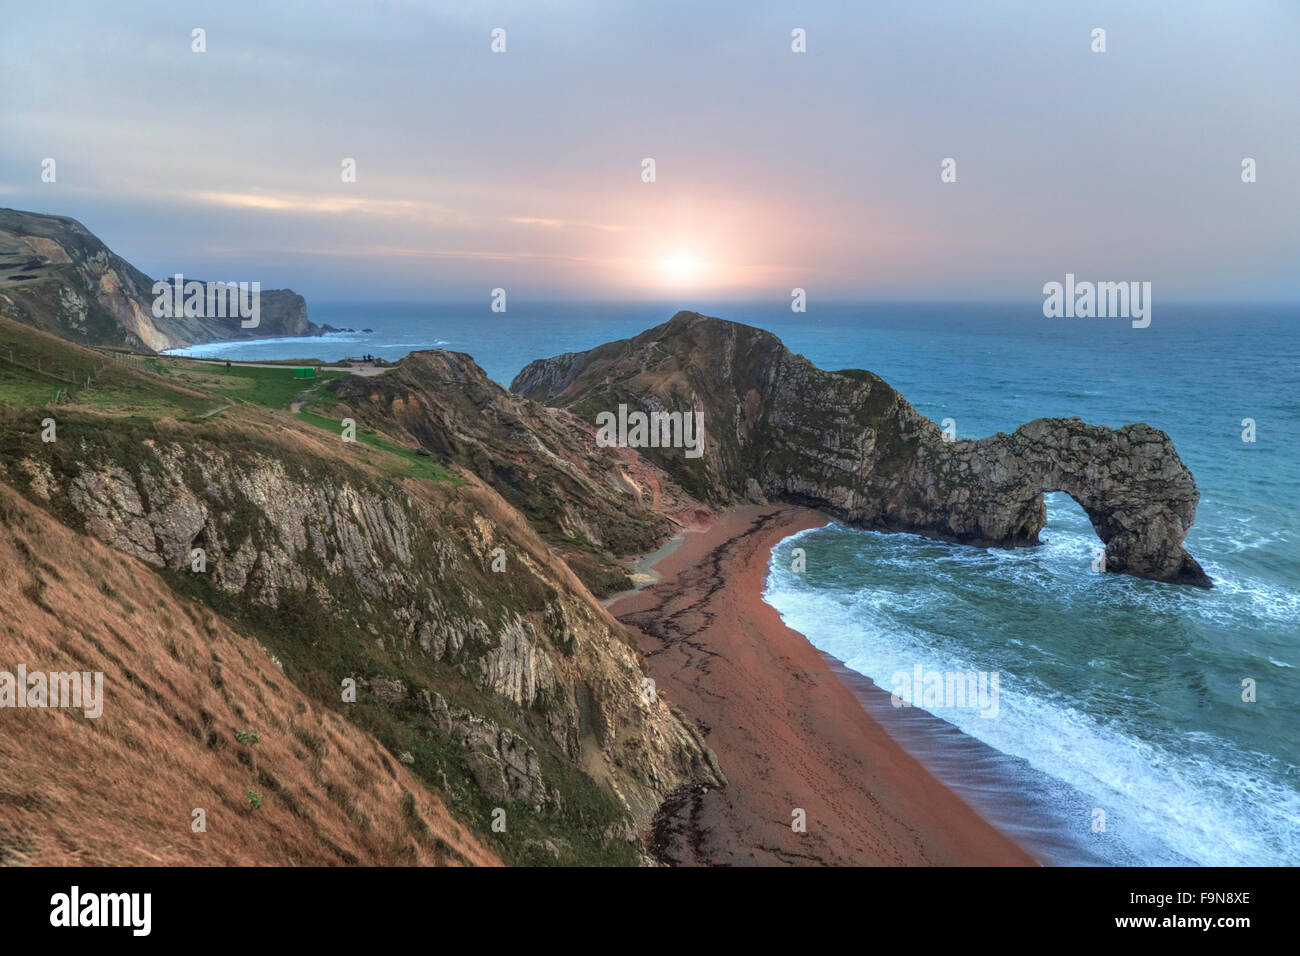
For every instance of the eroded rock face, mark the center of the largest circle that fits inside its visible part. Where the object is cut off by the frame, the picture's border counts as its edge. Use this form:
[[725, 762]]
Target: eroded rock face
[[1139, 496], [848, 443], [590, 503], [405, 570], [504, 764]]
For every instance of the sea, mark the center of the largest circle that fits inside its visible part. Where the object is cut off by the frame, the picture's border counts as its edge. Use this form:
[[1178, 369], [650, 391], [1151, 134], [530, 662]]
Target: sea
[[1137, 723]]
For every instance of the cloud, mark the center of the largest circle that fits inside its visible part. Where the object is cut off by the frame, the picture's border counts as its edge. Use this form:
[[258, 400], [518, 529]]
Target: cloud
[[564, 224], [313, 204]]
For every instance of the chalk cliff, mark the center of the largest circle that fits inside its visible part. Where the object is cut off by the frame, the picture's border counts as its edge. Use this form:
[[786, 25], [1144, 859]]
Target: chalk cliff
[[57, 276]]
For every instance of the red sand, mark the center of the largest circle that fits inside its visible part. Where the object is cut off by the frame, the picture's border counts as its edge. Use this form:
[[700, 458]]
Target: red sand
[[788, 733]]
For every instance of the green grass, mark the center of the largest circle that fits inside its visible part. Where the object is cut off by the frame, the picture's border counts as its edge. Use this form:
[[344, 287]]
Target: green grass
[[21, 387], [118, 390], [414, 465], [42, 366], [30, 347], [270, 387], [113, 390]]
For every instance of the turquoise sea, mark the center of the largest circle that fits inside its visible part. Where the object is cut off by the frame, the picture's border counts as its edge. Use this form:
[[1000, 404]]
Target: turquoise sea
[[1115, 694]]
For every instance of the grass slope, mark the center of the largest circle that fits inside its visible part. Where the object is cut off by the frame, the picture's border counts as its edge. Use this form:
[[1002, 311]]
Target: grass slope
[[118, 418], [195, 716]]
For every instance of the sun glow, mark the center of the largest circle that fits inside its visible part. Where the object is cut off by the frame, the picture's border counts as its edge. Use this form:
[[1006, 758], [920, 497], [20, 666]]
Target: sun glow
[[681, 269]]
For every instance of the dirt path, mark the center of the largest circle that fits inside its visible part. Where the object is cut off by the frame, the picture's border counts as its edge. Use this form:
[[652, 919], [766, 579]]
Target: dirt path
[[366, 369]]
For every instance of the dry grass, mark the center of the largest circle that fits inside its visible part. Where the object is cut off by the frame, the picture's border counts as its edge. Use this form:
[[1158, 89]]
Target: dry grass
[[178, 685]]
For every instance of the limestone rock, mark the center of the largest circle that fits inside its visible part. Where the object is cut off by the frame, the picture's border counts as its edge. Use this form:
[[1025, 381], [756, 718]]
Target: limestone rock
[[846, 442], [406, 572], [76, 287]]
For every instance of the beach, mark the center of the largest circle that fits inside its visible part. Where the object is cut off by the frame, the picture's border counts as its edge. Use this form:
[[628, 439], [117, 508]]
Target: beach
[[788, 733]]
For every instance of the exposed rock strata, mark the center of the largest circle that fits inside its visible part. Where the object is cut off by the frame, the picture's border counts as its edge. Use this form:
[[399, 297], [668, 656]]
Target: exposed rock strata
[[589, 502], [410, 568], [180, 690], [779, 427]]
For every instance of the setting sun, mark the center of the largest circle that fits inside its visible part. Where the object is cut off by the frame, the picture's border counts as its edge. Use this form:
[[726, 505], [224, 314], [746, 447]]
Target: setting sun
[[681, 269]]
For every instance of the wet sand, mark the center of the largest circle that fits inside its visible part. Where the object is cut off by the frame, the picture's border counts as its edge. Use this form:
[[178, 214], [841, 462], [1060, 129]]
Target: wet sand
[[789, 734]]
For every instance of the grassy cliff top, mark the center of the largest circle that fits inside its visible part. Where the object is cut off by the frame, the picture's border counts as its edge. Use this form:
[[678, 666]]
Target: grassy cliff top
[[41, 372]]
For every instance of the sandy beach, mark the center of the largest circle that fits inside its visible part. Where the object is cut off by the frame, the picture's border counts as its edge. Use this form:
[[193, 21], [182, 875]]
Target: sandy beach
[[788, 733]]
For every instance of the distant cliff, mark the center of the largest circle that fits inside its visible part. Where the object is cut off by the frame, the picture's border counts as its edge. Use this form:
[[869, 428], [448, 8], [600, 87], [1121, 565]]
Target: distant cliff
[[57, 276], [778, 427]]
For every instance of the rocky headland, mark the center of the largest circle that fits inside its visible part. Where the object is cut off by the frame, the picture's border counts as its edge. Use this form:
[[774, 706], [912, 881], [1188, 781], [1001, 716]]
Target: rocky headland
[[57, 276], [778, 428]]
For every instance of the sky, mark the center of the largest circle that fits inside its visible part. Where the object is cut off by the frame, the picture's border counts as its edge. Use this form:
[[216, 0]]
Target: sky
[[774, 170]]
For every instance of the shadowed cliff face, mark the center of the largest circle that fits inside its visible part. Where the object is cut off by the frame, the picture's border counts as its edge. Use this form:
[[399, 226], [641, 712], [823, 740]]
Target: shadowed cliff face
[[776, 426], [57, 276]]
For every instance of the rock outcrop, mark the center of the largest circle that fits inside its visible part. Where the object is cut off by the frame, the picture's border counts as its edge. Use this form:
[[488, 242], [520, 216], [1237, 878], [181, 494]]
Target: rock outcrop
[[394, 580], [777, 426], [57, 276], [192, 714], [591, 503]]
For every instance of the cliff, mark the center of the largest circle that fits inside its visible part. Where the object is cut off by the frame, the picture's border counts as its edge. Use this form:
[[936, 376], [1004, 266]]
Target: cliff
[[57, 276], [193, 716], [778, 427], [447, 562], [499, 686], [593, 504]]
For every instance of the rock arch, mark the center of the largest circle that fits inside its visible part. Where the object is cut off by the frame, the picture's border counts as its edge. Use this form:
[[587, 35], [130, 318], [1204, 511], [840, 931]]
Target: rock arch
[[846, 442], [1139, 496]]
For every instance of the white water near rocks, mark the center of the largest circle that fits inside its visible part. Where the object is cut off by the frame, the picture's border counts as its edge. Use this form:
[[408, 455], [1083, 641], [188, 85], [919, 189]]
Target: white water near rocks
[[1115, 694]]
